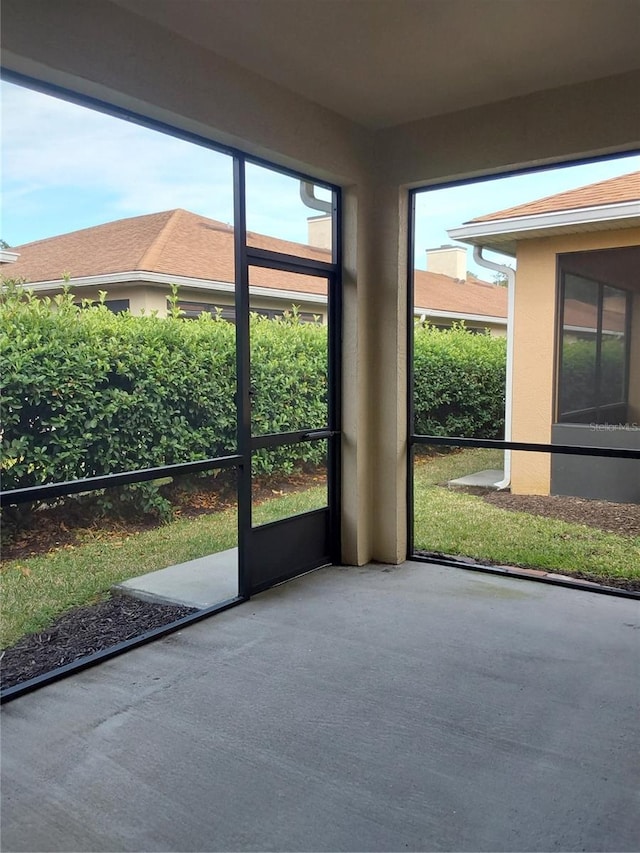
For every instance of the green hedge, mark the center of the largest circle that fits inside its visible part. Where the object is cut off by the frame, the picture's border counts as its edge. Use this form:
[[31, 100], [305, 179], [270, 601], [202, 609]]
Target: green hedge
[[459, 382], [86, 392]]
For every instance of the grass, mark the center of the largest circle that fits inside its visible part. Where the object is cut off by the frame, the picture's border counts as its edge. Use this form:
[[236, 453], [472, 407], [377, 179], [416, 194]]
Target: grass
[[292, 503], [456, 523], [37, 589]]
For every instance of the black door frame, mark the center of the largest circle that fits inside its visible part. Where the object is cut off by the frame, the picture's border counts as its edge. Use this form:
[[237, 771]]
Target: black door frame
[[283, 549], [240, 460]]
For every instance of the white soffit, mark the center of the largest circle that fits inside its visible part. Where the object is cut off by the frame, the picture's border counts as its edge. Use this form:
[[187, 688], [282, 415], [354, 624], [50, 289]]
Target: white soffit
[[504, 233], [383, 63]]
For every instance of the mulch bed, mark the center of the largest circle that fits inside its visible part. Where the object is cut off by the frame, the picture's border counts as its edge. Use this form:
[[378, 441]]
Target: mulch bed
[[66, 523], [83, 631], [623, 519]]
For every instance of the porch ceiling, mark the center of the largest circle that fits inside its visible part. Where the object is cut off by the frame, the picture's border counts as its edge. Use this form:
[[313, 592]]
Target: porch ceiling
[[383, 63]]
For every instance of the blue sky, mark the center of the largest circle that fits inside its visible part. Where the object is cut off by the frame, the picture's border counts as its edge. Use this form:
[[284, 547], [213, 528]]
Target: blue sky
[[437, 210], [66, 167]]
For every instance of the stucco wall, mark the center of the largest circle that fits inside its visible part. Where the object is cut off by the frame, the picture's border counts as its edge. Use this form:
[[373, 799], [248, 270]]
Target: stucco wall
[[535, 330], [149, 298]]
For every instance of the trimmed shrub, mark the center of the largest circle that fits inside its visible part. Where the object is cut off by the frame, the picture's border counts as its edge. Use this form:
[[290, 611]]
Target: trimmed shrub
[[459, 382], [85, 392]]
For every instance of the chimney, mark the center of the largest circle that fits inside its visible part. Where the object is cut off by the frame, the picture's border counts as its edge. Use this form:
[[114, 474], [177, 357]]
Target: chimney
[[448, 260], [319, 231]]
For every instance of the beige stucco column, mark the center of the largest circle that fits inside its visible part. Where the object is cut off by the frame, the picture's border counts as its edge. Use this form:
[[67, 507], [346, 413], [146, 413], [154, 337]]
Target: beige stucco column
[[374, 413], [533, 364]]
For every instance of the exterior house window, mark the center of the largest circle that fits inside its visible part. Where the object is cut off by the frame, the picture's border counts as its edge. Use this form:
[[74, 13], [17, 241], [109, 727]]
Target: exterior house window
[[117, 306], [192, 310], [594, 352]]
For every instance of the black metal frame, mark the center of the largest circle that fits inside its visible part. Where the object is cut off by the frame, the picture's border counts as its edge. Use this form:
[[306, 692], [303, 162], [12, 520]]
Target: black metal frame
[[48, 491], [527, 446], [414, 440], [561, 274], [245, 256]]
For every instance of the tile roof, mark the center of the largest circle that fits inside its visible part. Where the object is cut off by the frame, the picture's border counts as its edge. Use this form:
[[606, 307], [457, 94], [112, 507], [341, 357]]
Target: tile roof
[[473, 296], [624, 188]]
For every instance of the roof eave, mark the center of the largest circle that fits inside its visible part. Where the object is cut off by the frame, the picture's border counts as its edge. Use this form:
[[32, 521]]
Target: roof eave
[[459, 315], [502, 235], [184, 282]]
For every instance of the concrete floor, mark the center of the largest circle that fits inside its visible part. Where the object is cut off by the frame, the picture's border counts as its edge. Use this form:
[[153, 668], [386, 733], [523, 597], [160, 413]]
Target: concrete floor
[[384, 708]]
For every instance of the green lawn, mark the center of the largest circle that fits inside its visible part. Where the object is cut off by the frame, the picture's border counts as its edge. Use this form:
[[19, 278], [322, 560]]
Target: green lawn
[[37, 589], [452, 522]]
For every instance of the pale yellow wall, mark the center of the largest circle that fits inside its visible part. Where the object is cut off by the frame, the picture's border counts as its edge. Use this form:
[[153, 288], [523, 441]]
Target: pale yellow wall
[[143, 299], [533, 359], [98, 49], [147, 300], [497, 331], [319, 231], [535, 331], [440, 322]]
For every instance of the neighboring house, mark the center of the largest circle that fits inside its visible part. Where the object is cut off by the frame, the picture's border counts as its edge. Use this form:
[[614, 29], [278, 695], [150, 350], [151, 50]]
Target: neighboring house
[[576, 334], [446, 293], [136, 260]]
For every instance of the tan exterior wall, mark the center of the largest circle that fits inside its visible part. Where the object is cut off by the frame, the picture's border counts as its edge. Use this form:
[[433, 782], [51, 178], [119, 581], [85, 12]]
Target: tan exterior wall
[[146, 300], [319, 230], [534, 362]]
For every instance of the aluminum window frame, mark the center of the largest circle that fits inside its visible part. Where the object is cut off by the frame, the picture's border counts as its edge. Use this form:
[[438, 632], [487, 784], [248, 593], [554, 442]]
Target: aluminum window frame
[[415, 440], [241, 458]]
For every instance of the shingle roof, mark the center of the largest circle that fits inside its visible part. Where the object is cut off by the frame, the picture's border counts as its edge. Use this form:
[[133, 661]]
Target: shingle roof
[[581, 315], [624, 188], [174, 242], [180, 243], [473, 296]]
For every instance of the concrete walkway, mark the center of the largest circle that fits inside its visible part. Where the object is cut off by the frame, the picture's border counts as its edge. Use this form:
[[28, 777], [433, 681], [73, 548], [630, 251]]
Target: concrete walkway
[[486, 479], [416, 708], [199, 583]]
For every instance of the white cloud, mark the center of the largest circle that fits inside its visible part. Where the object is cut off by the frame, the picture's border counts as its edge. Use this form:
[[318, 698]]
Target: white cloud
[[53, 149], [49, 144]]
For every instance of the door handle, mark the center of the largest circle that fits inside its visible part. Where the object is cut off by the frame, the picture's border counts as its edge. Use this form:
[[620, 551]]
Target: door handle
[[316, 434]]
